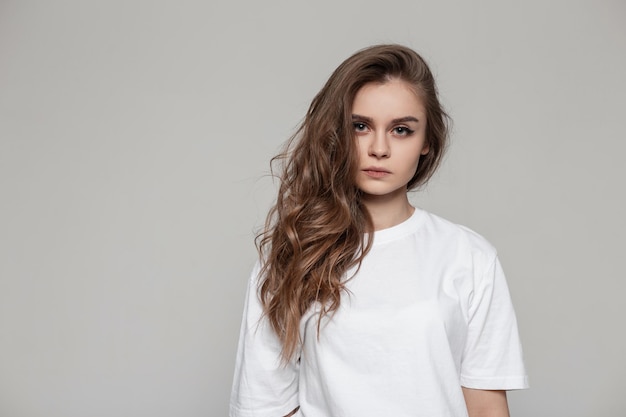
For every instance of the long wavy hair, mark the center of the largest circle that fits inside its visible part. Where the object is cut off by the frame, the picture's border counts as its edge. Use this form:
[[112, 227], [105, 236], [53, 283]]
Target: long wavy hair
[[318, 228]]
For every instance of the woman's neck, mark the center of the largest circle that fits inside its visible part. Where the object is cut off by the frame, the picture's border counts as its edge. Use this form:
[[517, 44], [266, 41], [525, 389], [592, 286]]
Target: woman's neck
[[388, 211]]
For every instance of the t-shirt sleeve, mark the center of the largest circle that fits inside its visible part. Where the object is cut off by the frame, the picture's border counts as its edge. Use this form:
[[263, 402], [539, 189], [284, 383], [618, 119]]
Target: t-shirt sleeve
[[262, 385], [492, 358]]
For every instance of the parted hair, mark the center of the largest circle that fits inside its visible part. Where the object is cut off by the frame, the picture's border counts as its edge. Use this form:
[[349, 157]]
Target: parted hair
[[317, 230]]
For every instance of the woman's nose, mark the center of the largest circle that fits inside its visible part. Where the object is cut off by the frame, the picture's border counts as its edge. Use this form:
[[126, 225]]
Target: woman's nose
[[379, 147]]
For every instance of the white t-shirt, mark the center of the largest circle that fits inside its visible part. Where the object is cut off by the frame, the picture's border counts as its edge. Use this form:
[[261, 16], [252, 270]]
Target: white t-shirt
[[428, 312]]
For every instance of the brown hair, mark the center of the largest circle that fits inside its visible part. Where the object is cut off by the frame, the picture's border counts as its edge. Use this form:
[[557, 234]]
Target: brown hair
[[317, 229]]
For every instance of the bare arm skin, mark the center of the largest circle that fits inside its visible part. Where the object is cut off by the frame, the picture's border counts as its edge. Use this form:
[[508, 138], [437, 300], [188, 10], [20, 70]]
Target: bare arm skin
[[486, 403]]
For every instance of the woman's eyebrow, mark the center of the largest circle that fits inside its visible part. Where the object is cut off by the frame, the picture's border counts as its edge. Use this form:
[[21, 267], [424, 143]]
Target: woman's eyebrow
[[405, 119], [398, 120], [363, 118]]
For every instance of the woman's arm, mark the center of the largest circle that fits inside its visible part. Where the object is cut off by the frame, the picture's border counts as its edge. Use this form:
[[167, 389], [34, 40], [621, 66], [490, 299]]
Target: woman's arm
[[486, 403], [262, 385]]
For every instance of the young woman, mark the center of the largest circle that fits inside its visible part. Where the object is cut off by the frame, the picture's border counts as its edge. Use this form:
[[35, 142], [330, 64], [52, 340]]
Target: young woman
[[361, 304]]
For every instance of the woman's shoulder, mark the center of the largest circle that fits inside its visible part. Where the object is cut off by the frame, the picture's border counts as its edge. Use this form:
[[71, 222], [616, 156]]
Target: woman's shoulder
[[454, 234]]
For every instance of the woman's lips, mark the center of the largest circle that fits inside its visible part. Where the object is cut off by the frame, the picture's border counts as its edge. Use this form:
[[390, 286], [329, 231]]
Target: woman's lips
[[376, 172]]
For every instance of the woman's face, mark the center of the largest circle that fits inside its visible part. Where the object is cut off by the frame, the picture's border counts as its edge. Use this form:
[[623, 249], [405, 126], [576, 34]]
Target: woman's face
[[389, 122]]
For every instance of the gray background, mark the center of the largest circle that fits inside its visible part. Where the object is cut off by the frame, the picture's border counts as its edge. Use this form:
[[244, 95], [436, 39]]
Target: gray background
[[134, 146]]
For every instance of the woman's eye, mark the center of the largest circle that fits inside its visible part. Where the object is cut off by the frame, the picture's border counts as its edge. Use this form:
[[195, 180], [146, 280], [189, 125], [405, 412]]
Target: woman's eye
[[359, 127], [402, 131]]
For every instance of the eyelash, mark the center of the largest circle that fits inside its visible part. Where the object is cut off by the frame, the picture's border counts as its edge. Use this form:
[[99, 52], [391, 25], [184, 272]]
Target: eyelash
[[398, 130], [406, 130], [359, 127]]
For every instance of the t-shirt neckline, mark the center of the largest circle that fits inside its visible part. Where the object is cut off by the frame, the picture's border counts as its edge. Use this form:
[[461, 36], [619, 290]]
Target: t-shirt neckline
[[402, 229]]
